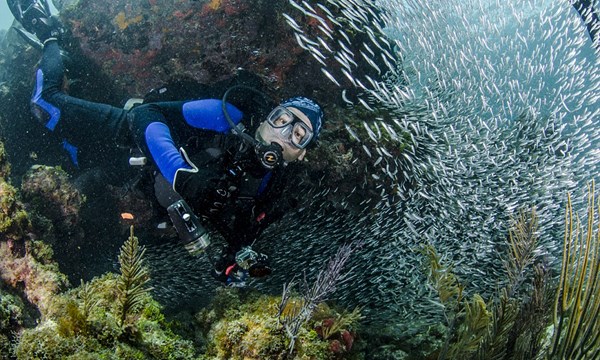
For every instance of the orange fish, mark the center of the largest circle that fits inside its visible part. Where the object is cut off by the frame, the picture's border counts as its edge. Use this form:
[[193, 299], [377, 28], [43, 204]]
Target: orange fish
[[126, 216]]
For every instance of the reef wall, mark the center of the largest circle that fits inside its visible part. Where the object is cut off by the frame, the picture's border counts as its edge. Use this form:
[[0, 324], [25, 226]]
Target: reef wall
[[30, 277], [143, 44]]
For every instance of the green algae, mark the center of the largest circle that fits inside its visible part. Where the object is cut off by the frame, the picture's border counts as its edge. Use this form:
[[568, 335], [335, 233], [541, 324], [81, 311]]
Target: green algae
[[69, 330], [13, 218]]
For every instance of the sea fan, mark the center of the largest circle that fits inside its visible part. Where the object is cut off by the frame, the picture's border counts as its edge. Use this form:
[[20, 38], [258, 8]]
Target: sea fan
[[292, 315], [134, 276]]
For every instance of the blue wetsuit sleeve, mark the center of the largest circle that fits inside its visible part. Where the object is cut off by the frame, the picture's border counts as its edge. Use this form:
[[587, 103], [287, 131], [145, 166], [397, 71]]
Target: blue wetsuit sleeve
[[207, 114], [163, 150], [152, 126], [152, 133]]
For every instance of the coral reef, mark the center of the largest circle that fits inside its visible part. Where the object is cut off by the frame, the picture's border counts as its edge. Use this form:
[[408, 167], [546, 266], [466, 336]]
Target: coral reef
[[459, 184], [49, 191], [88, 321], [242, 325], [25, 263], [12, 319], [143, 44], [77, 327], [30, 278], [28, 267], [14, 222], [13, 219]]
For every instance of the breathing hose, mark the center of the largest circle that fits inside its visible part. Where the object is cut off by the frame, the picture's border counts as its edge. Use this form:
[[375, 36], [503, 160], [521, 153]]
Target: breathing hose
[[269, 155]]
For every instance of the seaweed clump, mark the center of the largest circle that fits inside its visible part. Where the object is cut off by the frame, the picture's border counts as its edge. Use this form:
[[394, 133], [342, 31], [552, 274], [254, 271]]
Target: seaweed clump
[[95, 321], [245, 325], [12, 319], [53, 199], [547, 321], [14, 222]]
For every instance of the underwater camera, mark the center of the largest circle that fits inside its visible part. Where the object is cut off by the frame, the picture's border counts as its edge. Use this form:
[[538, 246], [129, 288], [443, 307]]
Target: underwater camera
[[256, 264], [192, 234]]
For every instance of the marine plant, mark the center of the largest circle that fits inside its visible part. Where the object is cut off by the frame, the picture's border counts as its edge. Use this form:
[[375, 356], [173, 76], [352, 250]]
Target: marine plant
[[4, 164], [482, 330], [467, 320], [95, 321], [325, 284], [88, 301], [576, 313], [134, 277], [531, 326], [330, 326], [517, 322]]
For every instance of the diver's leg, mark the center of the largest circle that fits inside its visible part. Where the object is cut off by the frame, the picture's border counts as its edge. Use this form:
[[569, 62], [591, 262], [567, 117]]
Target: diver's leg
[[77, 121]]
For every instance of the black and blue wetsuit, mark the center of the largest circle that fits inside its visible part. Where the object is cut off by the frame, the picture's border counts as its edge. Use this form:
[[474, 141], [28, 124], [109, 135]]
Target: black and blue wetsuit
[[159, 129]]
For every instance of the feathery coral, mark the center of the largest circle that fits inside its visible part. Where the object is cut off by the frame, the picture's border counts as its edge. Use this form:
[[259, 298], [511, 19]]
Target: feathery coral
[[134, 277]]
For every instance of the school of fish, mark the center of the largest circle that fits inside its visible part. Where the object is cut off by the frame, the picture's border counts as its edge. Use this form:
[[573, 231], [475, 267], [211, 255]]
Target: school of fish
[[500, 103]]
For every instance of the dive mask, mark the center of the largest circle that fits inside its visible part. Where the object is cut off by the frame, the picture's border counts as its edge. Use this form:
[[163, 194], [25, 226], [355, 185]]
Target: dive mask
[[290, 127]]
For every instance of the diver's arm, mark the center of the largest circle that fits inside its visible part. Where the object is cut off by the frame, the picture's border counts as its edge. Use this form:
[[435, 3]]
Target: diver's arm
[[152, 130], [153, 136], [207, 114]]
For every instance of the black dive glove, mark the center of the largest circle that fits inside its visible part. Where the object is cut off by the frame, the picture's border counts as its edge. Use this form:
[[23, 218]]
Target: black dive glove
[[204, 189]]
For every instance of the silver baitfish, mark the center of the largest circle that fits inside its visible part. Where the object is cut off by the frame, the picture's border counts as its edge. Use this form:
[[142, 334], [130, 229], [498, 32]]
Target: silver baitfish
[[488, 107]]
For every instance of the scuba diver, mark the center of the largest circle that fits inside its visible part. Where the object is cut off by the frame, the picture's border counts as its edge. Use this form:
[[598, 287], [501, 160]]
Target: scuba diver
[[207, 169]]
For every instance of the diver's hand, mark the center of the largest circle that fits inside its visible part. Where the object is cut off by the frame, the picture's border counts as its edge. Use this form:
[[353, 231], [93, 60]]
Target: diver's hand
[[236, 276], [184, 174]]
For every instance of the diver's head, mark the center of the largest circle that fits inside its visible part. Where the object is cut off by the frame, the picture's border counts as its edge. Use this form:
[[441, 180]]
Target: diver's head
[[294, 125]]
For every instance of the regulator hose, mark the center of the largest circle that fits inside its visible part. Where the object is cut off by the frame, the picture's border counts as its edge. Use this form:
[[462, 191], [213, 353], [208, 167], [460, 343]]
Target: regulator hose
[[269, 155]]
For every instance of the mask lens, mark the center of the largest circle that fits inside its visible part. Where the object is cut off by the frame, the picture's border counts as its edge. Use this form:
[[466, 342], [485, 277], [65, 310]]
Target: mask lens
[[301, 135], [280, 117], [291, 127]]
